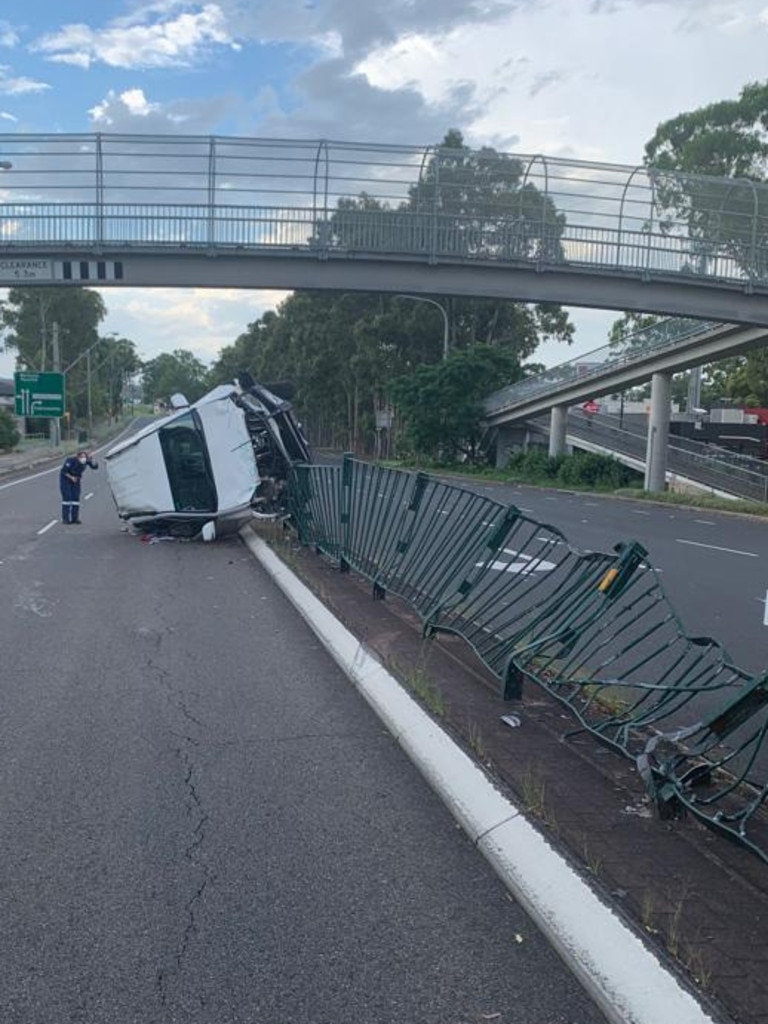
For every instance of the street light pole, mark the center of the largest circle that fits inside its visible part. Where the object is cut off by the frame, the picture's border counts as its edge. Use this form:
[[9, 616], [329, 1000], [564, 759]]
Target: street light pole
[[441, 307]]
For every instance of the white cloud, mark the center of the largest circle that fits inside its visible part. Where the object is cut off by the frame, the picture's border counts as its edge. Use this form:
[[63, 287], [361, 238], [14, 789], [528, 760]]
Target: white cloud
[[176, 42], [5, 116], [133, 100], [568, 78], [8, 35], [11, 85], [200, 320]]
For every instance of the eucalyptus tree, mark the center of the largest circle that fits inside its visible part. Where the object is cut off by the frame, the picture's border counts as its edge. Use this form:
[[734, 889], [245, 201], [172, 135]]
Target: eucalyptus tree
[[174, 372], [45, 325], [728, 138]]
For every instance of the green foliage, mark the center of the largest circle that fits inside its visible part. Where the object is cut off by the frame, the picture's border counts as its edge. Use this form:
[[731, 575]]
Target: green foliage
[[727, 139], [9, 434], [442, 403], [581, 470], [28, 316], [171, 372]]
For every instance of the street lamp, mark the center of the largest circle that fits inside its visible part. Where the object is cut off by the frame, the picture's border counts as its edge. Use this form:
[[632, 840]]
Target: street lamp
[[441, 307]]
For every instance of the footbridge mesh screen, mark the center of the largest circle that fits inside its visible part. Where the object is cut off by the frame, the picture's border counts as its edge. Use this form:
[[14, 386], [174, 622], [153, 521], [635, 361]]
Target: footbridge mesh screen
[[595, 629]]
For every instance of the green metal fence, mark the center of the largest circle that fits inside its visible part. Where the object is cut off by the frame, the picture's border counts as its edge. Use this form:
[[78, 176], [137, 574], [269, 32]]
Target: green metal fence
[[595, 629]]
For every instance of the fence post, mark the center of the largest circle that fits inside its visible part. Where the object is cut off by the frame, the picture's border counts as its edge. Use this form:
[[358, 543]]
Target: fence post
[[345, 504]]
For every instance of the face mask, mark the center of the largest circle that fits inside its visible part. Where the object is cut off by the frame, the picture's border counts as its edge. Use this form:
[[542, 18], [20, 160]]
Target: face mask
[[82, 461]]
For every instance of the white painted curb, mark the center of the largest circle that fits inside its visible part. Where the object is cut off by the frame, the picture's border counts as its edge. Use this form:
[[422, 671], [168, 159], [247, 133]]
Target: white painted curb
[[626, 980]]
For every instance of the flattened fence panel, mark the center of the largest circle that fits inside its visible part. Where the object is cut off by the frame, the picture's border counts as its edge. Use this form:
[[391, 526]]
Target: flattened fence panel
[[595, 629]]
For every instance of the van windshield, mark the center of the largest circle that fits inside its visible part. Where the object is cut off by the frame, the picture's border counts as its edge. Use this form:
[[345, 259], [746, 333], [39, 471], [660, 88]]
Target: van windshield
[[188, 467]]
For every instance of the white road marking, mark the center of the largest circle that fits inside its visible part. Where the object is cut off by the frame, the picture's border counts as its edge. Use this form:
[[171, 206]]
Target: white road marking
[[704, 522], [639, 512], [525, 566], [25, 479], [765, 612], [45, 529], [714, 547]]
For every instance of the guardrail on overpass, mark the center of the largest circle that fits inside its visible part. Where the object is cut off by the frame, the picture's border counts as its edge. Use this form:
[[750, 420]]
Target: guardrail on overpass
[[723, 471], [596, 630], [671, 345]]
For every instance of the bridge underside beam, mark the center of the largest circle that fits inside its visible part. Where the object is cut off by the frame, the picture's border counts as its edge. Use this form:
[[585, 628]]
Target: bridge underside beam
[[302, 269]]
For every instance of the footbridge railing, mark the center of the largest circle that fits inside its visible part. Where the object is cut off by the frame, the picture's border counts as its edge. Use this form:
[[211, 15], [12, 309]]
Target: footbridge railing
[[594, 629], [350, 198]]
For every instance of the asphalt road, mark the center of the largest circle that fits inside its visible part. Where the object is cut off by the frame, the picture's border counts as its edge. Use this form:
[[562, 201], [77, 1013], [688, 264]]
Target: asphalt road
[[202, 822], [714, 566]]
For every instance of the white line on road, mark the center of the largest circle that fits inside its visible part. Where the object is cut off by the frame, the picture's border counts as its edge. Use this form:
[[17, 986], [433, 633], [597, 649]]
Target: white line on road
[[45, 529], [25, 479], [765, 612], [639, 512], [714, 547], [704, 522]]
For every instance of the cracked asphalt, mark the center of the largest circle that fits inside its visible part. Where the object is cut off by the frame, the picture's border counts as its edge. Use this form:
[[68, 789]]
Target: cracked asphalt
[[202, 822]]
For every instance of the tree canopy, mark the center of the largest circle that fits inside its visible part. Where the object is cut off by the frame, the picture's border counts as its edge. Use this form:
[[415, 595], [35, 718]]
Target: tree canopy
[[728, 138], [172, 372]]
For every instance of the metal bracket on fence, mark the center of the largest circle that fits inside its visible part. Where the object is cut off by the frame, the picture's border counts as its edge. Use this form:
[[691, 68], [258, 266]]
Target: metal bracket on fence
[[514, 678], [631, 555], [737, 711]]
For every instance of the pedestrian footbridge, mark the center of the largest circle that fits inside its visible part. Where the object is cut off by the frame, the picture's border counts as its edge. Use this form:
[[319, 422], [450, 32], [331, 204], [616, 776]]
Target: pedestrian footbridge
[[182, 211]]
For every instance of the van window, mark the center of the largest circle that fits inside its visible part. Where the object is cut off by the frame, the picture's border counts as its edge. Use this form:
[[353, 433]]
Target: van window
[[187, 465]]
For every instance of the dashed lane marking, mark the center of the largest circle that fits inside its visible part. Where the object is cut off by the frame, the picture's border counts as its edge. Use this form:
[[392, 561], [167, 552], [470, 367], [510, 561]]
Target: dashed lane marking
[[714, 547]]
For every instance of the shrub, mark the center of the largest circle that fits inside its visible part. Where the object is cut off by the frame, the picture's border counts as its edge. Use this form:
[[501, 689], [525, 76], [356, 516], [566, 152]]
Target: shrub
[[590, 469], [9, 434]]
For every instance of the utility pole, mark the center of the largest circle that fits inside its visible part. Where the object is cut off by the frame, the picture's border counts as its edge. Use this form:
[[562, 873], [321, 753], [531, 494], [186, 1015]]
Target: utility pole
[[88, 379], [55, 425]]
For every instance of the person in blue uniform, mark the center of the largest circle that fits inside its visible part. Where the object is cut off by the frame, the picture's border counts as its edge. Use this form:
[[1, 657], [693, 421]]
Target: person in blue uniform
[[69, 485]]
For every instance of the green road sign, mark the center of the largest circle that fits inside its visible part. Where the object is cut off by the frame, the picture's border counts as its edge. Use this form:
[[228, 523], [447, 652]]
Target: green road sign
[[39, 394]]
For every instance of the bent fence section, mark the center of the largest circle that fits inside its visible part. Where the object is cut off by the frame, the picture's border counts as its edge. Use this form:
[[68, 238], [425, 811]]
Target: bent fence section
[[595, 629]]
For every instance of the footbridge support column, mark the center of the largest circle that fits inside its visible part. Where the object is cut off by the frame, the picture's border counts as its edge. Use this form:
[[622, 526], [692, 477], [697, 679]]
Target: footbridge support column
[[658, 432], [557, 430]]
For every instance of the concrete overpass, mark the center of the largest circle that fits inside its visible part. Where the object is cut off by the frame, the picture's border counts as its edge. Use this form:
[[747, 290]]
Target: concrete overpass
[[193, 211], [655, 354]]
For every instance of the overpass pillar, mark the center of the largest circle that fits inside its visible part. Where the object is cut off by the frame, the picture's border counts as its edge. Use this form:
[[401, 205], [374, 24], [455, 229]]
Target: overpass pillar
[[658, 432], [558, 421]]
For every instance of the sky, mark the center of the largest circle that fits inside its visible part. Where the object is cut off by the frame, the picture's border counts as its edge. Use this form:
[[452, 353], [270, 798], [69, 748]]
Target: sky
[[584, 79]]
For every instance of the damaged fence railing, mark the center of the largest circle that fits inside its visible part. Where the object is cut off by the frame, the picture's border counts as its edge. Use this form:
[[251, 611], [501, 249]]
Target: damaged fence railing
[[595, 629]]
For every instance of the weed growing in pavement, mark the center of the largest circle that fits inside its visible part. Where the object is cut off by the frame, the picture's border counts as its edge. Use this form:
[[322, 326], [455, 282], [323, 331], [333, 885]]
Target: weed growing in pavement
[[593, 862], [647, 913], [476, 740], [422, 687], [533, 790], [674, 928]]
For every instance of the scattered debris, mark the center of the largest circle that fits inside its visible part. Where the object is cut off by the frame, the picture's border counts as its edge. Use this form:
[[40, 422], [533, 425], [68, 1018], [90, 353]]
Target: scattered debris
[[513, 721]]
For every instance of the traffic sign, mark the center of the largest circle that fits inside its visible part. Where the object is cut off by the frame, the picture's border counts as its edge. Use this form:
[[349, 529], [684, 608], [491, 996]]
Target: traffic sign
[[39, 394]]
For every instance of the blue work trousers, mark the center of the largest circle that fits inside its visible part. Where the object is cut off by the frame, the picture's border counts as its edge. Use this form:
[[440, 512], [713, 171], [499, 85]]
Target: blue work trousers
[[70, 500]]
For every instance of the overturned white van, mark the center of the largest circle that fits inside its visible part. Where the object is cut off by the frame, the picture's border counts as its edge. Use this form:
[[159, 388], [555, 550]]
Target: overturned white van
[[209, 467]]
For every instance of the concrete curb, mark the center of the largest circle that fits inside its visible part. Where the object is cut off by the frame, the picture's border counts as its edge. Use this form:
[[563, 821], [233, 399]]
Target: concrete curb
[[624, 978]]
